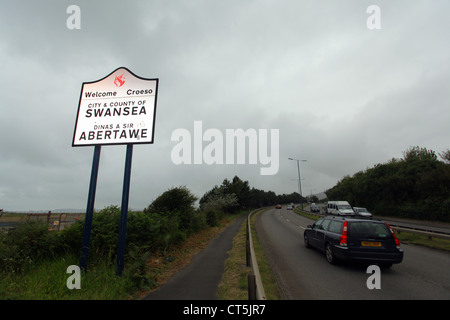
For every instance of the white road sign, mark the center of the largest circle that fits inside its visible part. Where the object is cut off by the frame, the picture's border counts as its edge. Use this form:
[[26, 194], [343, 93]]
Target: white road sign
[[118, 109]]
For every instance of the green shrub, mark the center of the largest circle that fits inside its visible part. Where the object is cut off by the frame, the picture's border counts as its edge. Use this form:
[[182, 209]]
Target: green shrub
[[213, 217], [105, 232], [24, 245], [177, 203]]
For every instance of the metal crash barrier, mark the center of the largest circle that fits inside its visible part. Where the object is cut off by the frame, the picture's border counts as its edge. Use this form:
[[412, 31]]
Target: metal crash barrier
[[255, 286]]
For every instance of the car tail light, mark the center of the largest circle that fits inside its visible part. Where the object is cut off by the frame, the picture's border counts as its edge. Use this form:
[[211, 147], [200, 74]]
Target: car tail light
[[343, 239], [397, 242]]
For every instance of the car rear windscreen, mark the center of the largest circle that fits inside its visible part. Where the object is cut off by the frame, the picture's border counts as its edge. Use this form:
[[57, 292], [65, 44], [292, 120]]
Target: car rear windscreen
[[367, 229]]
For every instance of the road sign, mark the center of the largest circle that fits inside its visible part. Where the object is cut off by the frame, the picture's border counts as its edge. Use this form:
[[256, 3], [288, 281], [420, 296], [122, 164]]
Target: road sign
[[118, 109]]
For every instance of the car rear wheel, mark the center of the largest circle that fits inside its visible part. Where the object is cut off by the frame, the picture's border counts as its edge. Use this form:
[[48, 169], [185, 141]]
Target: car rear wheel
[[329, 254]]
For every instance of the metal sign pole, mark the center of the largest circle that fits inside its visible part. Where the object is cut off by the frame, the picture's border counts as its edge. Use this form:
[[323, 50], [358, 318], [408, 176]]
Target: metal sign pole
[[124, 210], [90, 209]]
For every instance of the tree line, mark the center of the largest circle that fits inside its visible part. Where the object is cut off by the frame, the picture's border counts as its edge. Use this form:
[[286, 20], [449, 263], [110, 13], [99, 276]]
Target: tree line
[[237, 194], [415, 186]]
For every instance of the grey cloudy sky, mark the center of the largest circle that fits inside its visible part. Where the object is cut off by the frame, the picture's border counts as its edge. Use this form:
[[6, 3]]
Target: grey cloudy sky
[[343, 96]]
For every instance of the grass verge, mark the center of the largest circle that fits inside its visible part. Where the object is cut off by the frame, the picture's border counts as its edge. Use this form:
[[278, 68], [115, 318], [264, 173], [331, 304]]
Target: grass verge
[[267, 276], [234, 285], [435, 243], [47, 281]]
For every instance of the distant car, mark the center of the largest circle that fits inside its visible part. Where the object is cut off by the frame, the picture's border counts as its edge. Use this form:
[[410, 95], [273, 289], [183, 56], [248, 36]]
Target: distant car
[[314, 207], [362, 212], [354, 239], [290, 207], [278, 206]]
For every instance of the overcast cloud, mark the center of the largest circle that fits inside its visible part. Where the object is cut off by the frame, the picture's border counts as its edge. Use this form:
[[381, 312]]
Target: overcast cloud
[[343, 97]]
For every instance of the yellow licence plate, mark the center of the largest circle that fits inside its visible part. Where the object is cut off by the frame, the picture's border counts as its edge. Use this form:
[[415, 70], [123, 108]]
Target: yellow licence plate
[[371, 244]]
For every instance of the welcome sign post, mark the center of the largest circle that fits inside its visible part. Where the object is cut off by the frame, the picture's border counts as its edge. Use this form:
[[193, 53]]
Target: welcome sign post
[[118, 109]]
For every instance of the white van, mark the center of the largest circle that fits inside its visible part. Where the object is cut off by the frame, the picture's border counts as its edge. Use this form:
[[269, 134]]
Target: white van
[[339, 208]]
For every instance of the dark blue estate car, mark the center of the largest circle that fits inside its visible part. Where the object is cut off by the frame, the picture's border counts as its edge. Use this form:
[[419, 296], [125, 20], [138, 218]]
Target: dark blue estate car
[[355, 239]]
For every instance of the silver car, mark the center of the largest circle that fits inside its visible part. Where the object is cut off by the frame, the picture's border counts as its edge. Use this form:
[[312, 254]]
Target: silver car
[[362, 212]]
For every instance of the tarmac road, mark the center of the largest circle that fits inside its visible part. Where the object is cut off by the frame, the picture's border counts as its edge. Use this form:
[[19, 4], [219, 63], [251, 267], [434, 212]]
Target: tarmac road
[[200, 280], [305, 274]]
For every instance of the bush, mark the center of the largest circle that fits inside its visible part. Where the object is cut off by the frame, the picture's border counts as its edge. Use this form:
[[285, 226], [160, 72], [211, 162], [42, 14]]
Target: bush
[[24, 245], [213, 217], [105, 233], [177, 204]]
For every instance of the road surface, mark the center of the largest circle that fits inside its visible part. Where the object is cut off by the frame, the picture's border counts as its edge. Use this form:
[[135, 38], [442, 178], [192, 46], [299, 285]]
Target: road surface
[[304, 273]]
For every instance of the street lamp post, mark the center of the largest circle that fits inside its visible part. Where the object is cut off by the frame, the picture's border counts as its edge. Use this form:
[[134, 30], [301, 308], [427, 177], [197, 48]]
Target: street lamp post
[[299, 179]]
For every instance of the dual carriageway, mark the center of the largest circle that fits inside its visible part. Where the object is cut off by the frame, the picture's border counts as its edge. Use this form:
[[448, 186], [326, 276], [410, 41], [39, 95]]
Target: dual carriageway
[[304, 273]]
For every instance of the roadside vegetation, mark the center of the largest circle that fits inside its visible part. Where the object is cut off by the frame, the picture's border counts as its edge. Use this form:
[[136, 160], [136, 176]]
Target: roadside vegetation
[[435, 243], [234, 284], [416, 186], [160, 239]]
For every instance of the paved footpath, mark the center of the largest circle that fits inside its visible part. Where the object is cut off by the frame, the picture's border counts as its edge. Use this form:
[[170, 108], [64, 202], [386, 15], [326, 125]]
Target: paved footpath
[[200, 280]]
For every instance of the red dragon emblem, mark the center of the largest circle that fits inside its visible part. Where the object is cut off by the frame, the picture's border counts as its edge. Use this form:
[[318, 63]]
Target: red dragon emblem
[[119, 80]]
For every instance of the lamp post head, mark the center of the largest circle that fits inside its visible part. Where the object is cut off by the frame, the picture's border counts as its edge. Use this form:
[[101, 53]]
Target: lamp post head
[[297, 159]]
